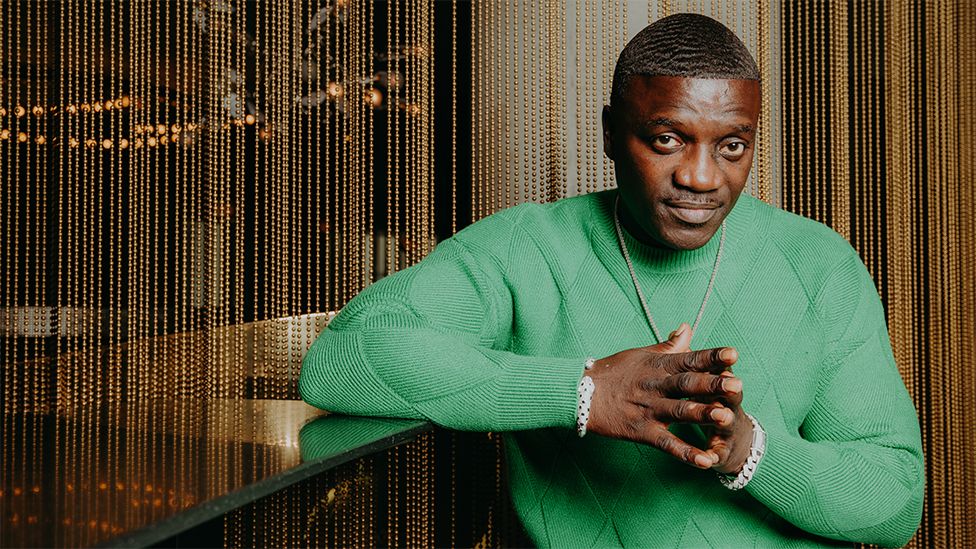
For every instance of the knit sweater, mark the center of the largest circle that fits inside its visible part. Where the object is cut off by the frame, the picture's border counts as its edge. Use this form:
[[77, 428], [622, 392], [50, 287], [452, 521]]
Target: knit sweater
[[491, 330]]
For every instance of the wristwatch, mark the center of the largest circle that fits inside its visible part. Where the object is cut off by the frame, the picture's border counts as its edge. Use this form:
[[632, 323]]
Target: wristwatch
[[738, 482]]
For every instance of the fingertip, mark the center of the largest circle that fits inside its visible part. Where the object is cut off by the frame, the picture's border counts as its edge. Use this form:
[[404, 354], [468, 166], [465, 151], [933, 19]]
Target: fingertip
[[705, 461], [729, 355], [732, 385], [679, 341], [722, 416]]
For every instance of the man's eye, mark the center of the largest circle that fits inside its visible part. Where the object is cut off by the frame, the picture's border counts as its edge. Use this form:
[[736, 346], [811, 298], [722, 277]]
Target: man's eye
[[665, 143], [733, 150]]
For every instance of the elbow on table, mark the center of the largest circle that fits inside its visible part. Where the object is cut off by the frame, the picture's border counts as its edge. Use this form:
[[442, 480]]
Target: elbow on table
[[314, 378], [336, 377]]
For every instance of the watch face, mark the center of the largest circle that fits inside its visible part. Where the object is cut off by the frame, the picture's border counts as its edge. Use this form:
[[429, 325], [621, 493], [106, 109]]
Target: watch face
[[758, 437]]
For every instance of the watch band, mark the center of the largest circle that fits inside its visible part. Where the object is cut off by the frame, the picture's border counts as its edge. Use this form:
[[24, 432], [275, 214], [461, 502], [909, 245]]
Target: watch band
[[739, 481]]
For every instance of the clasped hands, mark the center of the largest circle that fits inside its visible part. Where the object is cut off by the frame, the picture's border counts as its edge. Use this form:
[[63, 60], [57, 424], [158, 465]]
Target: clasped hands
[[639, 392]]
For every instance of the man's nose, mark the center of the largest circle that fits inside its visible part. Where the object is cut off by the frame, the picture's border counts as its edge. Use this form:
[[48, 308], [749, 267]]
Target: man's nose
[[698, 170]]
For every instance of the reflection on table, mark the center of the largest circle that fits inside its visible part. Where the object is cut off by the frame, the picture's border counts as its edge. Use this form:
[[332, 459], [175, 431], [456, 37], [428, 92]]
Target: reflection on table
[[197, 438], [98, 441], [100, 472]]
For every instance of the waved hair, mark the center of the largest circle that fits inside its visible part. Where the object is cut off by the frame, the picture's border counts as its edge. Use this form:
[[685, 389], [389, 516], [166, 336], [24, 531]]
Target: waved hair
[[687, 45]]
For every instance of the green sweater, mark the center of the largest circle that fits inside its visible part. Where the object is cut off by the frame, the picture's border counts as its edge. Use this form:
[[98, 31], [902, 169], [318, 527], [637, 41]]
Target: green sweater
[[490, 332]]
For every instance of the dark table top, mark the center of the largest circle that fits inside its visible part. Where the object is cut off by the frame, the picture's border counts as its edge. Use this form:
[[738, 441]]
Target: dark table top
[[135, 474]]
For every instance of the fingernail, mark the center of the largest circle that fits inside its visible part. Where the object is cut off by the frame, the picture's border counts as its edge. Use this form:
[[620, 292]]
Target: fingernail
[[681, 329], [732, 385], [703, 461], [718, 414], [728, 354]]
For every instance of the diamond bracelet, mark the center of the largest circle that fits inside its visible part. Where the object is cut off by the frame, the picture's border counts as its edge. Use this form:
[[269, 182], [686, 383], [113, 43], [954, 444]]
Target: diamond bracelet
[[584, 397]]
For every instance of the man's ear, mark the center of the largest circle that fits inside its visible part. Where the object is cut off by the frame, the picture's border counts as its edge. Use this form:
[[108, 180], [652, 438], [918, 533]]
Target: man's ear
[[607, 132]]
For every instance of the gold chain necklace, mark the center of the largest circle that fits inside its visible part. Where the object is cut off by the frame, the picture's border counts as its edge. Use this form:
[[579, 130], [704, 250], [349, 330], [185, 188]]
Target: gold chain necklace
[[640, 293]]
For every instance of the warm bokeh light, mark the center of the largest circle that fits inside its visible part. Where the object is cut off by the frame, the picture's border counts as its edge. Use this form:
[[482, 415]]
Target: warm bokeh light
[[335, 90], [373, 97]]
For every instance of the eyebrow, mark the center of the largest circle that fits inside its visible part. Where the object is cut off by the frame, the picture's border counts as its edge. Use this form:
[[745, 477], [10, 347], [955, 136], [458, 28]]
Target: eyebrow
[[660, 122], [670, 123]]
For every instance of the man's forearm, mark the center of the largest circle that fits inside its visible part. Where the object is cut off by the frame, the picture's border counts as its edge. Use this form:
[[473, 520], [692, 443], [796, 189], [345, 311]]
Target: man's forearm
[[419, 373]]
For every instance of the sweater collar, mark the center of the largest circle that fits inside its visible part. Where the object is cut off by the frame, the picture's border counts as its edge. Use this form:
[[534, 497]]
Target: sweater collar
[[653, 259]]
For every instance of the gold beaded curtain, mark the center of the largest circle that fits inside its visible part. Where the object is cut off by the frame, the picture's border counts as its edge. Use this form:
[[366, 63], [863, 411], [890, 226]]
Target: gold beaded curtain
[[186, 190]]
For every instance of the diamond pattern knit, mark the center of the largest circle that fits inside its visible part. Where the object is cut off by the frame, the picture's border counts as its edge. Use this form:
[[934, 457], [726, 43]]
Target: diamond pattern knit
[[490, 332]]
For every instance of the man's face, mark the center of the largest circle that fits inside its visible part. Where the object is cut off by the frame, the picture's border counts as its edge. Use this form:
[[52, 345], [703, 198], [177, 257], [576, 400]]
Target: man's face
[[682, 149]]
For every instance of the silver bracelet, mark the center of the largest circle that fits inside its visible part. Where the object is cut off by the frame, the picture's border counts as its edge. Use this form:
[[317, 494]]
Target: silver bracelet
[[739, 481], [584, 394]]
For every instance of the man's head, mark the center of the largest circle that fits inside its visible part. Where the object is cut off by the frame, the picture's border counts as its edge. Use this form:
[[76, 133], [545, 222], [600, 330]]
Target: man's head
[[680, 128]]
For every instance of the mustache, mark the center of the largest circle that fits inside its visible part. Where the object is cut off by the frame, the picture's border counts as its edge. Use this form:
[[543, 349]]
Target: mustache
[[692, 202]]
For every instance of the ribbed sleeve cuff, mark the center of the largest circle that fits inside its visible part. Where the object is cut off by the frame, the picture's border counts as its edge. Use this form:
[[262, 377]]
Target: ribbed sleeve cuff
[[332, 435], [540, 391], [782, 479]]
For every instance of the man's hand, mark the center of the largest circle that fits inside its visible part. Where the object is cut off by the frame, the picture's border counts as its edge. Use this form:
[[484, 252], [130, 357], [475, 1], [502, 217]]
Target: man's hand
[[639, 392]]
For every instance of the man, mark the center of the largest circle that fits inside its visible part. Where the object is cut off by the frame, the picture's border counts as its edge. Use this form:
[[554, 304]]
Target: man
[[795, 396]]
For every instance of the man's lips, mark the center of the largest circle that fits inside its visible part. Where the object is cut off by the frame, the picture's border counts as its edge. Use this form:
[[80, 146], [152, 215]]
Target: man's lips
[[693, 213]]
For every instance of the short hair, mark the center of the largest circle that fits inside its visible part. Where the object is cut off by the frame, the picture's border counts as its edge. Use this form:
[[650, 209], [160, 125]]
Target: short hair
[[687, 45]]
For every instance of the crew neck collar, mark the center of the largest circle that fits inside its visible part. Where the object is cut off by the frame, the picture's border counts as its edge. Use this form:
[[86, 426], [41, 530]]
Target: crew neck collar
[[662, 260]]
